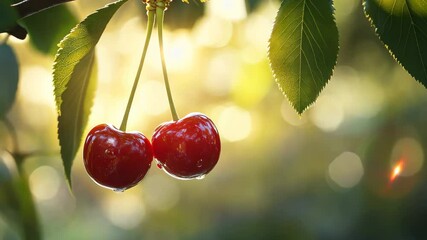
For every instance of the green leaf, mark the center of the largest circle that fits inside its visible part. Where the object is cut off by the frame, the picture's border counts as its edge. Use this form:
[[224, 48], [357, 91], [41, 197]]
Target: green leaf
[[402, 27], [8, 16], [60, 21], [75, 109], [9, 77], [73, 81], [8, 20], [303, 49]]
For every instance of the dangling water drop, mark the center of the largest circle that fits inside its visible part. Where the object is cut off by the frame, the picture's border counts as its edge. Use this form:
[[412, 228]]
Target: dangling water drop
[[119, 190], [201, 177]]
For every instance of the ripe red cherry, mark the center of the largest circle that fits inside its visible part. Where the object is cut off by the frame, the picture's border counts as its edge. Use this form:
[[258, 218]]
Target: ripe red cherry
[[115, 159], [188, 148]]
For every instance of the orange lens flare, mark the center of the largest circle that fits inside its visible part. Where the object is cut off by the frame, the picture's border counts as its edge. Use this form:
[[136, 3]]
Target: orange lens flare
[[397, 169]]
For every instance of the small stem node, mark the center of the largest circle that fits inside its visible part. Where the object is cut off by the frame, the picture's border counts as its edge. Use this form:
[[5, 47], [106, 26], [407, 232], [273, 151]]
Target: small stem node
[[159, 18], [150, 24]]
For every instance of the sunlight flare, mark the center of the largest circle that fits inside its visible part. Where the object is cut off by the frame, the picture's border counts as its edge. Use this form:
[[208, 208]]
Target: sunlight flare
[[397, 170]]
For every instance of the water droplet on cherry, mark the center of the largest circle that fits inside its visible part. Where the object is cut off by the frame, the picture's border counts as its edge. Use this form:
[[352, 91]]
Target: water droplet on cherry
[[199, 163], [106, 155], [119, 190], [109, 152], [201, 177], [188, 148], [159, 164]]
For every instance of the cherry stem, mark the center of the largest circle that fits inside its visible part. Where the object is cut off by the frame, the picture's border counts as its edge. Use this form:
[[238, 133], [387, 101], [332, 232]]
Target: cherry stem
[[150, 24], [159, 18]]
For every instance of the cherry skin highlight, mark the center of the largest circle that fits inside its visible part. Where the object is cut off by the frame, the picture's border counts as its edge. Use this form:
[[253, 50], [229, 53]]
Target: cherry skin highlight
[[115, 159], [188, 148]]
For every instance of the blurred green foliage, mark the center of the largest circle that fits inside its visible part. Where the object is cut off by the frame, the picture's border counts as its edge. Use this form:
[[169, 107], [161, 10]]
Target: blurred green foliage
[[44, 33], [273, 181], [9, 80]]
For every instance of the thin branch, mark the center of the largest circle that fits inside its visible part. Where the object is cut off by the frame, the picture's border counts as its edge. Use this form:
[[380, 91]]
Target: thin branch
[[12, 132]]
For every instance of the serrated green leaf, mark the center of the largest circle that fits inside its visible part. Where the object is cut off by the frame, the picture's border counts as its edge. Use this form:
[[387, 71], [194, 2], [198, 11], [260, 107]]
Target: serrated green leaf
[[75, 109], [402, 27], [73, 82], [9, 77], [303, 49], [45, 39]]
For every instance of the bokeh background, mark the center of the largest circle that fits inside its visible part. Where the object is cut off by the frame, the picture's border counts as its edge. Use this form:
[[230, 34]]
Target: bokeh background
[[351, 167]]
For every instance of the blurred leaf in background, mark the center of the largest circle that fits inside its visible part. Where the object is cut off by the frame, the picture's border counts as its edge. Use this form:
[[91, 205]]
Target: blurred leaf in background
[[8, 16], [9, 77], [47, 28]]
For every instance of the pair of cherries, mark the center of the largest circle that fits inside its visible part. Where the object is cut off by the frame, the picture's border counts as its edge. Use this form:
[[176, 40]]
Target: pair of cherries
[[188, 148]]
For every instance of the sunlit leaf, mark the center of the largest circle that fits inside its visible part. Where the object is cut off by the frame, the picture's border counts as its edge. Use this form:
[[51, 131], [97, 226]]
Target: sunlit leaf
[[303, 49], [75, 109], [402, 26], [73, 83], [9, 17], [9, 76], [45, 39]]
